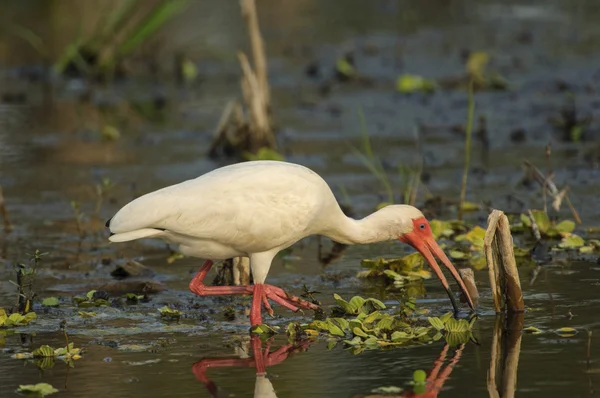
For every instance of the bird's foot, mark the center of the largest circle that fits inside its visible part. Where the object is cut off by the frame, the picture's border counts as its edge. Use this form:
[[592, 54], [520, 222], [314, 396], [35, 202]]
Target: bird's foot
[[293, 303]]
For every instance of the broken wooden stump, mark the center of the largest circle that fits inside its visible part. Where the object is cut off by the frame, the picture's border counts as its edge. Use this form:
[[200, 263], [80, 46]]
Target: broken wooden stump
[[504, 363], [502, 266]]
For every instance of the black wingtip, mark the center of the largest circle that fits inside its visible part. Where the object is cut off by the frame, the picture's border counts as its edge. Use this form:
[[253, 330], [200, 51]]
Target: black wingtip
[[108, 223]]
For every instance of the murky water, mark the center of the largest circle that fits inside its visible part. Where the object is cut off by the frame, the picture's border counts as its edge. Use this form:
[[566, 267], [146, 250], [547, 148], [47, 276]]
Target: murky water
[[51, 153]]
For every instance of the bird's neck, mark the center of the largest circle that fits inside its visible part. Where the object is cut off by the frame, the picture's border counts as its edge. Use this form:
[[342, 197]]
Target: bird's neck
[[371, 229]]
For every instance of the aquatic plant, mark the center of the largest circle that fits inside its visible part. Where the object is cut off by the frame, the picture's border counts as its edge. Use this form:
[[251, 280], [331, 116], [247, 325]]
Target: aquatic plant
[[401, 271], [93, 298], [15, 319], [169, 313], [25, 280], [410, 177], [372, 328], [39, 389], [468, 133]]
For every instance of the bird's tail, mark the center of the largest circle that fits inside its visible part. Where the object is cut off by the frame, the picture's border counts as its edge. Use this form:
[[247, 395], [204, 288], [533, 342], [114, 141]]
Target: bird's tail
[[136, 234]]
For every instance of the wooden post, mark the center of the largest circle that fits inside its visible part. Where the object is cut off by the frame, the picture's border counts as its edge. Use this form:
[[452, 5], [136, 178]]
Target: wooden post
[[502, 266]]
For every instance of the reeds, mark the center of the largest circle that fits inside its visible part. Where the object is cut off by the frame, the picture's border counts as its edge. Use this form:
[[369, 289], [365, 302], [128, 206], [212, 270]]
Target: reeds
[[468, 134], [247, 127]]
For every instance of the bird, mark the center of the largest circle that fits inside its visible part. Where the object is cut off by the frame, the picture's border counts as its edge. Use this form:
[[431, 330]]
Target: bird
[[257, 208]]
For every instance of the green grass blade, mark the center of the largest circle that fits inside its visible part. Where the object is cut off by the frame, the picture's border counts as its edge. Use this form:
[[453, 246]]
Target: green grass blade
[[155, 19], [468, 133]]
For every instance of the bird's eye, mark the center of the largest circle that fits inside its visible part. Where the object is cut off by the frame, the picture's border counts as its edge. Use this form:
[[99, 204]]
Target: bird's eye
[[422, 226]]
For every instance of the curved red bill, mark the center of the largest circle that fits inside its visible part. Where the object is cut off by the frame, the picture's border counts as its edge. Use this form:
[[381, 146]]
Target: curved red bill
[[428, 247]]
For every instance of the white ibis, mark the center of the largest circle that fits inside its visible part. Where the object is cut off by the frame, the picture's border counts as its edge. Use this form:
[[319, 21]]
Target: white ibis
[[256, 209]]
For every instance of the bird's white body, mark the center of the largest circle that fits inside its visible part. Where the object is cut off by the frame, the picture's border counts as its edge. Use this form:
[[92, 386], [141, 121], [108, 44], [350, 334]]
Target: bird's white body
[[252, 209]]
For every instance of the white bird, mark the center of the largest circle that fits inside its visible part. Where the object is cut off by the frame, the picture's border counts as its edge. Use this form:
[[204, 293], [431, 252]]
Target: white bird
[[256, 209]]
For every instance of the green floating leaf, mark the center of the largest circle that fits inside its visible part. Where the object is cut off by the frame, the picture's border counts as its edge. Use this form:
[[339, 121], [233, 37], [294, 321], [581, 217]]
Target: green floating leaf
[[586, 249], [50, 302], [566, 332], [470, 206], [334, 329], [475, 236], [455, 254], [345, 68], [169, 312], [532, 330], [40, 389], [359, 332], [565, 226], [387, 390], [43, 351], [85, 314], [571, 241], [419, 376], [3, 316], [407, 83], [264, 329], [436, 323], [456, 325]]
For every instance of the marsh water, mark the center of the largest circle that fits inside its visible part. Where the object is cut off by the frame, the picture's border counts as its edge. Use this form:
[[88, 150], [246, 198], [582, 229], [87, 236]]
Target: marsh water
[[52, 153]]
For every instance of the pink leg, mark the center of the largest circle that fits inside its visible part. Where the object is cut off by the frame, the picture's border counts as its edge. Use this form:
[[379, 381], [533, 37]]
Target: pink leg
[[197, 285], [261, 293], [257, 299]]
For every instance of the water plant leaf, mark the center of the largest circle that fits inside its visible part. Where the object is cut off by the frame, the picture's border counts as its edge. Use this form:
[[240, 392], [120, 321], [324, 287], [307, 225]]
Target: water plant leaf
[[456, 325], [455, 254], [43, 351], [17, 319], [388, 390], [334, 329], [532, 330], [470, 206], [264, 329], [39, 389], [441, 228], [167, 312], [565, 226], [85, 314], [475, 236], [436, 323], [345, 68], [407, 83], [3, 316], [586, 249], [566, 332], [476, 64], [400, 335], [419, 376], [110, 133], [355, 304], [50, 302], [571, 241], [359, 332]]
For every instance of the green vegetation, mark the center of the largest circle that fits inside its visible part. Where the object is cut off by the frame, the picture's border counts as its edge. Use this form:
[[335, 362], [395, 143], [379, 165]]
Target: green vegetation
[[370, 326]]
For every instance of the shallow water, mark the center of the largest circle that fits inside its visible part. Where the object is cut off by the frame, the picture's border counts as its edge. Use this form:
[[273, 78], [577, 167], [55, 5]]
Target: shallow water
[[51, 153]]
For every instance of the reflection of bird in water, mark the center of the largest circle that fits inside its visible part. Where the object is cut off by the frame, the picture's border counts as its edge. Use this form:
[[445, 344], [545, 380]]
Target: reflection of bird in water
[[435, 380], [256, 209], [262, 358]]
